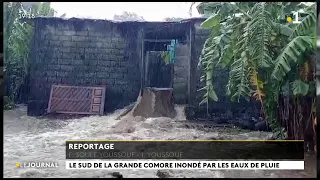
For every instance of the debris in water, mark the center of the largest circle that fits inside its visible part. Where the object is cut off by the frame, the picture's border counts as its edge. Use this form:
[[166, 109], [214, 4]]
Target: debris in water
[[116, 175], [163, 174], [128, 109]]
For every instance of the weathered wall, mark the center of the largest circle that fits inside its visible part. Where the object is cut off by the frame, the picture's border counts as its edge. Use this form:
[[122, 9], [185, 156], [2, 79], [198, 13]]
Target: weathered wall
[[181, 67], [85, 53], [220, 81]]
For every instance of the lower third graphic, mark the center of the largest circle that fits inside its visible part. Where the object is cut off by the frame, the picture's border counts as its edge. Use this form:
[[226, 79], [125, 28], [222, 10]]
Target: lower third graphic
[[37, 165]]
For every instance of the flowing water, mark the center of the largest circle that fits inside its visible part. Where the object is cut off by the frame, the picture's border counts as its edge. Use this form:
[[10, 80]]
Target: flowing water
[[43, 139]]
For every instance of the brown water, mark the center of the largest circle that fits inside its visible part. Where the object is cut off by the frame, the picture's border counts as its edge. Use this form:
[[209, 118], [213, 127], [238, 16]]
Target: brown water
[[37, 139]]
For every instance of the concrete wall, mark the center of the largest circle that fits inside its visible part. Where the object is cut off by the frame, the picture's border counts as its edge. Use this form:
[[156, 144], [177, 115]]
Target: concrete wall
[[85, 53], [220, 81], [180, 81]]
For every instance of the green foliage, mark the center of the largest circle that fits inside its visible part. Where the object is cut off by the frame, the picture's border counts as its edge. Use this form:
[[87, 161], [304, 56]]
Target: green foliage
[[211, 21], [165, 56], [300, 88], [303, 41], [42, 9], [17, 36], [8, 103], [260, 49], [291, 55]]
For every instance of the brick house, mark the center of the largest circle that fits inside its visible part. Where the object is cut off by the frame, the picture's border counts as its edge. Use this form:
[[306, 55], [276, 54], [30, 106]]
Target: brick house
[[86, 52]]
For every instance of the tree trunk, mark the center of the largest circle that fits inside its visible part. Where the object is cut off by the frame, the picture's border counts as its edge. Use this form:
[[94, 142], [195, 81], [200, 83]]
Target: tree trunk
[[155, 102]]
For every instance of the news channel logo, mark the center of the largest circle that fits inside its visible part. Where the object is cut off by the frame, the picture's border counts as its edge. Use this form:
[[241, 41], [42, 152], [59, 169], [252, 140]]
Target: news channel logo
[[37, 164], [294, 18]]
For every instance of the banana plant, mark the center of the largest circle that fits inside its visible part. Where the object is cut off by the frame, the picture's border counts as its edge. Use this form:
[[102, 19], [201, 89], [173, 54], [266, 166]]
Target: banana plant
[[259, 47], [17, 36]]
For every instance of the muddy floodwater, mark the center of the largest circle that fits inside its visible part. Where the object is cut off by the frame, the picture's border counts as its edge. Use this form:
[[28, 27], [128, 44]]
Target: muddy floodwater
[[30, 139]]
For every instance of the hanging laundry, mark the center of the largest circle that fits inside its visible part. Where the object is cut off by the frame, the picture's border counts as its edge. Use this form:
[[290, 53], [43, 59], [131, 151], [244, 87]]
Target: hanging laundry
[[171, 49]]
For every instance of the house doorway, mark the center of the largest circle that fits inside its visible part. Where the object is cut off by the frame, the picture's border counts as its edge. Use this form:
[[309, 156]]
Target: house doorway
[[159, 73]]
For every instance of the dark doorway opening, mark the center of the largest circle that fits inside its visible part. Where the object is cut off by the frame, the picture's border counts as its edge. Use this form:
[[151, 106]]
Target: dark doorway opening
[[158, 73]]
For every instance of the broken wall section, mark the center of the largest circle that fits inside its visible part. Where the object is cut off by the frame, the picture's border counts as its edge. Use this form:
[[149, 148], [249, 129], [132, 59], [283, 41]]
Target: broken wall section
[[84, 53]]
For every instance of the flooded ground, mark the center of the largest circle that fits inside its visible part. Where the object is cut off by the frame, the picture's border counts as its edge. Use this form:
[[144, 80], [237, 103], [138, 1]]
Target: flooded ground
[[39, 139]]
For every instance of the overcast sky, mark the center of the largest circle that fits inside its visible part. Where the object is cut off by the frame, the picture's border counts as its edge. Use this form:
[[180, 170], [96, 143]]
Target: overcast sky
[[151, 11]]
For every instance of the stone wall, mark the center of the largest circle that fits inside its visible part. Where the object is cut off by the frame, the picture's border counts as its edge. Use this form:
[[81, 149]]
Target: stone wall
[[84, 53]]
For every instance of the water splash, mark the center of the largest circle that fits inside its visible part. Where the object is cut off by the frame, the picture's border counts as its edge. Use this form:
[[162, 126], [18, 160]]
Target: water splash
[[31, 139]]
